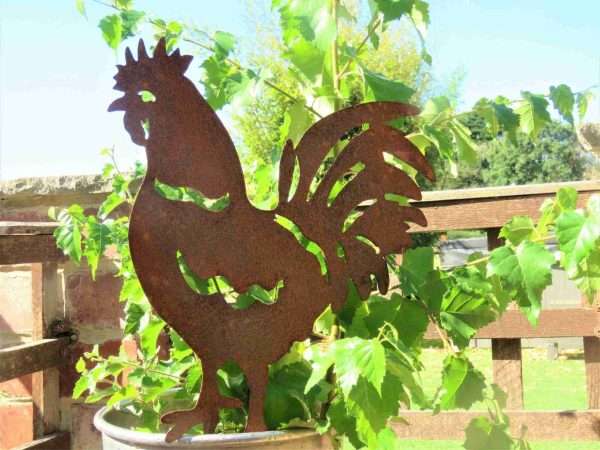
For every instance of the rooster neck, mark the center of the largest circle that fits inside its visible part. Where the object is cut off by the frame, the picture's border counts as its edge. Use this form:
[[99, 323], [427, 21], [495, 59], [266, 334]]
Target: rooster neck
[[189, 146]]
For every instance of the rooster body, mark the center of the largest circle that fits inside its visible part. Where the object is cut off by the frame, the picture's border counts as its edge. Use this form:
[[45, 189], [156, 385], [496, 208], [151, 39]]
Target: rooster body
[[187, 145]]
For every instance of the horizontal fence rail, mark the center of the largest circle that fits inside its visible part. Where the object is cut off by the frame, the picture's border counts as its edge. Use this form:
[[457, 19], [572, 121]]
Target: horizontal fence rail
[[470, 209], [32, 357], [33, 243]]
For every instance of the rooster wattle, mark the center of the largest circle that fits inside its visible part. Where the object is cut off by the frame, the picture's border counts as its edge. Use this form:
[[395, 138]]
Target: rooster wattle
[[187, 145]]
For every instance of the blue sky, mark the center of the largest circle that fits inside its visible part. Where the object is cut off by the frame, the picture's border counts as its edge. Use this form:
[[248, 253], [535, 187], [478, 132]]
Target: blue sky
[[56, 72]]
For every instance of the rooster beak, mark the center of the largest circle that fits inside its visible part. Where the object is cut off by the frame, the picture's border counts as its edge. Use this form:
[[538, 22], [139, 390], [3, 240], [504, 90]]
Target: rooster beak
[[119, 104]]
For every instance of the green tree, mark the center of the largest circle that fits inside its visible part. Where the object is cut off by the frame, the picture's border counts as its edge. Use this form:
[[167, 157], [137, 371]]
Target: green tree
[[553, 156]]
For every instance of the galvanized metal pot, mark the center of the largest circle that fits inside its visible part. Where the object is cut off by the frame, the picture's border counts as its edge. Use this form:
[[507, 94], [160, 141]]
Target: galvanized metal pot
[[116, 435]]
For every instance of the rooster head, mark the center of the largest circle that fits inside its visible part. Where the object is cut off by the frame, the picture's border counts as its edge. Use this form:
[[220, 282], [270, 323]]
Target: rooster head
[[146, 82]]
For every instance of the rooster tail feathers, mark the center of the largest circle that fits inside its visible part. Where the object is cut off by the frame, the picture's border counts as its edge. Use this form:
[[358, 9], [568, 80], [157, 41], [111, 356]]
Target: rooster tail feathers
[[367, 179]]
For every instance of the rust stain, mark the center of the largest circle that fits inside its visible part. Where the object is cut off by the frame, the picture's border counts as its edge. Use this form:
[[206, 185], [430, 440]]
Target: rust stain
[[187, 145]]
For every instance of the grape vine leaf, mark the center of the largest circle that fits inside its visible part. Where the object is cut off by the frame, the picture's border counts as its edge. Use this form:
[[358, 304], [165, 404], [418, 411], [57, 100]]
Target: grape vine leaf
[[533, 113], [112, 30], [483, 434], [527, 271], [382, 88], [462, 384], [563, 101], [518, 229]]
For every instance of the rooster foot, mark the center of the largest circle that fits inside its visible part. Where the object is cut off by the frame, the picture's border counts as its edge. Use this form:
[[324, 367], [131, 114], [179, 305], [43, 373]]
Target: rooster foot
[[208, 415]]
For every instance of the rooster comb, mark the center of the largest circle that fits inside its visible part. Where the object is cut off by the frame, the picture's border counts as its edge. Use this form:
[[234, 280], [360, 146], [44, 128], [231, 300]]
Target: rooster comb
[[160, 65]]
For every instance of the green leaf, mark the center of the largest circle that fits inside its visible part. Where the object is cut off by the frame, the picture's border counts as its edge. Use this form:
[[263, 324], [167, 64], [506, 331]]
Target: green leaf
[[408, 317], [393, 9], [133, 317], [297, 120], [307, 58], [518, 229], [112, 201], [578, 234], [462, 384], [385, 89], [68, 234], [420, 17], [467, 151], [342, 422], [81, 385], [354, 358], [149, 336], [112, 30], [508, 119], [131, 291], [483, 434], [80, 5], [416, 265], [436, 110], [583, 99], [563, 101], [387, 440], [224, 43], [325, 322], [193, 379], [123, 4], [232, 382], [533, 113], [130, 22], [526, 270], [373, 410], [80, 365], [498, 117], [98, 238], [321, 360]]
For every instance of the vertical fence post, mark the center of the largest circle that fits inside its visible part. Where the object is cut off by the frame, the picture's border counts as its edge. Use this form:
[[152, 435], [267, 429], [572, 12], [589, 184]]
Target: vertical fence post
[[45, 384], [506, 353], [591, 349]]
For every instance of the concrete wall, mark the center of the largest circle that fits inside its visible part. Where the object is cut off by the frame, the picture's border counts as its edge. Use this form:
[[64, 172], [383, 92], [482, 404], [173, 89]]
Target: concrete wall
[[91, 307]]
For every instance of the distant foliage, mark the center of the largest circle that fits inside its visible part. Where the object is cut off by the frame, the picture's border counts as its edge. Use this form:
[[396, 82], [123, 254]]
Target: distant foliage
[[553, 156]]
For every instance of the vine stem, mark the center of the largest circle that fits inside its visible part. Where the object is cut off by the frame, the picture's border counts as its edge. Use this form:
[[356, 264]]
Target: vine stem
[[486, 258], [268, 83], [334, 57], [157, 372], [375, 22]]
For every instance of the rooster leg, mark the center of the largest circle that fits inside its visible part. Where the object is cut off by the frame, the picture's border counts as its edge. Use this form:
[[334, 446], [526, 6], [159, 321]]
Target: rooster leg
[[257, 382], [206, 410]]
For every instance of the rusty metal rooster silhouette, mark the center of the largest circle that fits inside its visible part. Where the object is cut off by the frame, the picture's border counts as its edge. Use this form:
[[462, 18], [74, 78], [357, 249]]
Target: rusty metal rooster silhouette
[[187, 145]]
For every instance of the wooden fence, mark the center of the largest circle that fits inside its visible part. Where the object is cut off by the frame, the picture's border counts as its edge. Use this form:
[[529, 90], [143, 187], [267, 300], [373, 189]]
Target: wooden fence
[[486, 209], [33, 244]]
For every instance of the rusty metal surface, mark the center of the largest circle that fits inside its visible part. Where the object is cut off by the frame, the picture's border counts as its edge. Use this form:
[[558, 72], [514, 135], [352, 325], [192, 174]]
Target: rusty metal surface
[[187, 145]]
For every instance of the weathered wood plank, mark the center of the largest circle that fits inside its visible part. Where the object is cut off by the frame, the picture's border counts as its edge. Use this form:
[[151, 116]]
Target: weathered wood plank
[[508, 370], [510, 191], [552, 323], [541, 425], [12, 228], [45, 384], [591, 349], [468, 212], [31, 357], [56, 441], [506, 353], [22, 249]]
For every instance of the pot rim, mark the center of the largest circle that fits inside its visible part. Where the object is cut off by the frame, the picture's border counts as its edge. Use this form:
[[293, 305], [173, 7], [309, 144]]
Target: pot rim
[[197, 441]]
